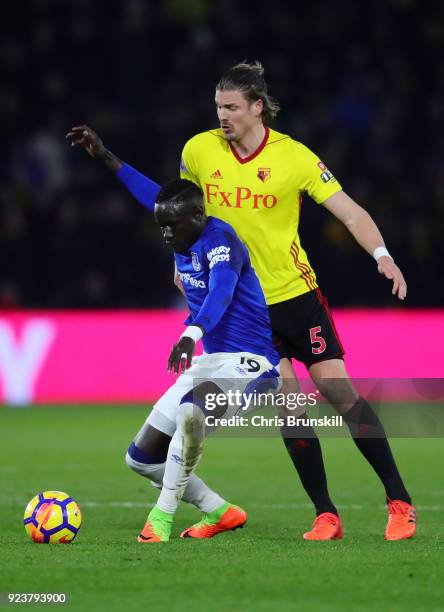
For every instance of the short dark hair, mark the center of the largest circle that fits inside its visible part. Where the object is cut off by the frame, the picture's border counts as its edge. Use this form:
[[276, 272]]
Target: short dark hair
[[180, 191], [249, 79]]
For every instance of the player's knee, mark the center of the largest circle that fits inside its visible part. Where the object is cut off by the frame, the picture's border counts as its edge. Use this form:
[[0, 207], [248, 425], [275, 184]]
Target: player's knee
[[190, 420], [130, 460], [140, 461], [153, 471], [339, 392]]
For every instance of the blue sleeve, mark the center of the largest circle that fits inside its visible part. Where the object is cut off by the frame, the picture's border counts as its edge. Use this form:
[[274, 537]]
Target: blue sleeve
[[141, 187], [221, 286]]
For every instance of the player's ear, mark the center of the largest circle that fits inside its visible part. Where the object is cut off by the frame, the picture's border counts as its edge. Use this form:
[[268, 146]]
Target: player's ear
[[258, 107]]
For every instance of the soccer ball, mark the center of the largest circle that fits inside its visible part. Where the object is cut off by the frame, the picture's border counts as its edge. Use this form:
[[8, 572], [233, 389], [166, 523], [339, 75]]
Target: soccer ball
[[52, 517]]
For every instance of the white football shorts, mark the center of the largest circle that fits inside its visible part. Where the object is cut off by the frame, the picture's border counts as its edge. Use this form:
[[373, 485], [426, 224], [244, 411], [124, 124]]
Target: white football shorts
[[242, 372]]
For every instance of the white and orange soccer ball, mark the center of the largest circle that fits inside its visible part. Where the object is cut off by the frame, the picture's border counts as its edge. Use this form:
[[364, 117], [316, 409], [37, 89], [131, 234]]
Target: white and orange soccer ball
[[52, 517]]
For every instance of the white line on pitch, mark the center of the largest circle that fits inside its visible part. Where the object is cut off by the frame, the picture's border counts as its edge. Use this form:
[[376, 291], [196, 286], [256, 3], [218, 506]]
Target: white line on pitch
[[128, 504]]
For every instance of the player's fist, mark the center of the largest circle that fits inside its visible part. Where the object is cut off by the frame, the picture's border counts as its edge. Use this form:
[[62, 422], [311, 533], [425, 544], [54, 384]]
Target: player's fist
[[88, 139], [388, 268], [181, 355]]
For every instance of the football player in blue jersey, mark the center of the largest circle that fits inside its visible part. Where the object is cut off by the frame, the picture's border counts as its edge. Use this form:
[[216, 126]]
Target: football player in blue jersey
[[228, 311]]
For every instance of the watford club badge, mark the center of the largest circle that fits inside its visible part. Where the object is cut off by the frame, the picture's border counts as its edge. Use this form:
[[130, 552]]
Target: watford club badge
[[264, 174]]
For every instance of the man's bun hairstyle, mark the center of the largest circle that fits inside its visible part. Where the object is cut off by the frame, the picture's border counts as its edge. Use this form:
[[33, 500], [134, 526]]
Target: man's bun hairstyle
[[249, 79]]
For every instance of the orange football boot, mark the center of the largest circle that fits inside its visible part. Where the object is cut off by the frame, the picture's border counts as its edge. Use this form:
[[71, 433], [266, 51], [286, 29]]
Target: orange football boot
[[402, 520], [147, 534], [225, 518], [157, 527], [326, 526]]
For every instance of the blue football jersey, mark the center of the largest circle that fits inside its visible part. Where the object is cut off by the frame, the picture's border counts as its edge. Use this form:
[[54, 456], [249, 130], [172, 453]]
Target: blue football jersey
[[245, 324]]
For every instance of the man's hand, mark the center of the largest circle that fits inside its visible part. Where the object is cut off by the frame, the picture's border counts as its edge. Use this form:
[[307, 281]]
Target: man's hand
[[84, 136], [181, 355], [388, 268]]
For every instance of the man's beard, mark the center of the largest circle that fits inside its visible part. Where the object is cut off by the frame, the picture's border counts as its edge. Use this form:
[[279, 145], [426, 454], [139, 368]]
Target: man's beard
[[229, 137]]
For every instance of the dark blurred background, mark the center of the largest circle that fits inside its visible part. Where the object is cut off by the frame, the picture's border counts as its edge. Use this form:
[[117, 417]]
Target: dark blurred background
[[361, 84]]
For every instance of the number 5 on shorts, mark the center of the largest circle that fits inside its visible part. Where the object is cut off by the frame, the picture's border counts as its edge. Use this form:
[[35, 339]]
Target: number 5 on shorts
[[316, 338]]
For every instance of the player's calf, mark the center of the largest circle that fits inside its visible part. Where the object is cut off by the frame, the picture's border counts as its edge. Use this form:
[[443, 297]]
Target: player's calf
[[184, 453]]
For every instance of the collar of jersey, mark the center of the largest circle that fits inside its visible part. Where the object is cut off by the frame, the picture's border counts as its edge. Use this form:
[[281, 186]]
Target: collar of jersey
[[244, 160]]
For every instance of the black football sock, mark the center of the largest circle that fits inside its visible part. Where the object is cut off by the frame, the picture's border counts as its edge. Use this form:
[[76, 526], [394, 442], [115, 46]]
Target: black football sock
[[369, 436], [305, 451]]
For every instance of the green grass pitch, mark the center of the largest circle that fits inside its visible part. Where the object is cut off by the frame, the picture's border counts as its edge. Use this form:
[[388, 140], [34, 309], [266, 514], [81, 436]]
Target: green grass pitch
[[266, 566]]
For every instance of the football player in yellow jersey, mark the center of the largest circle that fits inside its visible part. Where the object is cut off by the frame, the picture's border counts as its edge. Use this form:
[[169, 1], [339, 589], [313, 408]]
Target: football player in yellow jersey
[[260, 195], [253, 178]]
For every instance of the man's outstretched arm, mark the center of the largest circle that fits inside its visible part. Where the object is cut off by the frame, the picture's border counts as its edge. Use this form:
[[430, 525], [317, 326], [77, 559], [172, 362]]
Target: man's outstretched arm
[[141, 187], [366, 233]]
